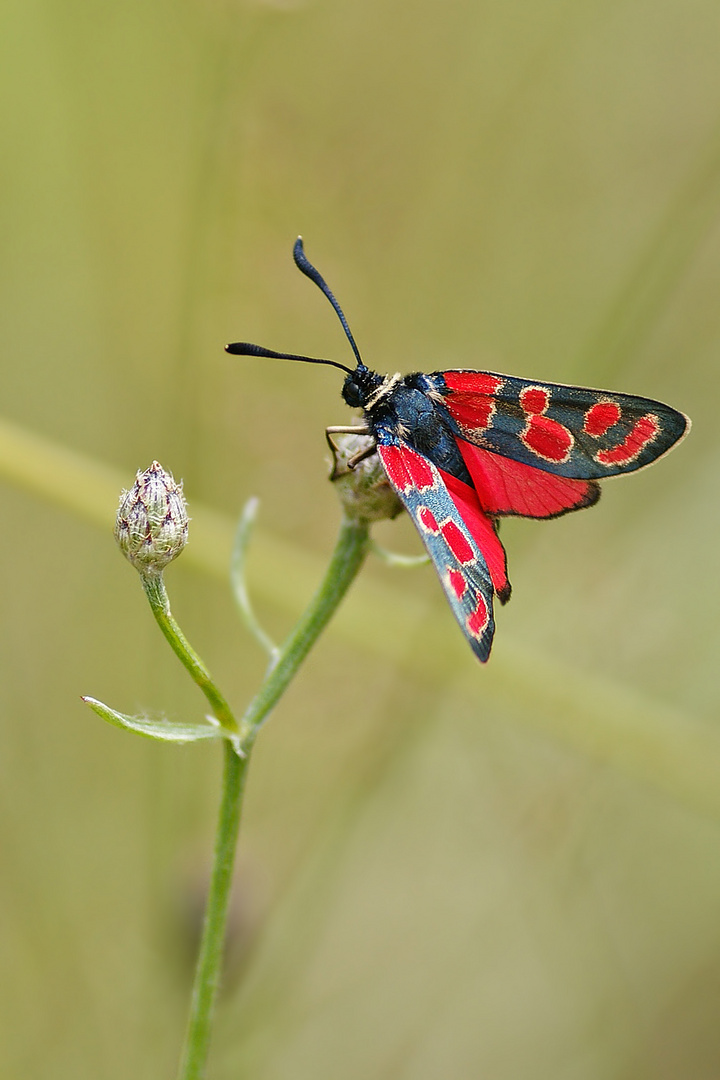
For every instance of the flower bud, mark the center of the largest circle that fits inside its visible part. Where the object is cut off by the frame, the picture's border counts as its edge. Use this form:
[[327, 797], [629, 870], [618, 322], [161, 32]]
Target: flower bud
[[365, 493], [151, 527]]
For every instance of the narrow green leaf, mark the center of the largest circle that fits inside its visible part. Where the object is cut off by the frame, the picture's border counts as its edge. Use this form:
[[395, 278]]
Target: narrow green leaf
[[394, 558], [161, 730], [239, 584]]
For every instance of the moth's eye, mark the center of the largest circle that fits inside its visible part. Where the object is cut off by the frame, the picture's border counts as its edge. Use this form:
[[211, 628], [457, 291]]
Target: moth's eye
[[351, 393]]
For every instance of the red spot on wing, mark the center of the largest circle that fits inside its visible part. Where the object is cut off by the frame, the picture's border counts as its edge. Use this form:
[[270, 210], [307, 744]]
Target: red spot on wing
[[534, 399], [393, 460], [482, 531], [458, 544], [643, 432], [547, 438], [406, 469], [473, 382], [428, 520], [457, 583], [479, 618], [472, 415], [471, 402], [601, 416], [420, 470]]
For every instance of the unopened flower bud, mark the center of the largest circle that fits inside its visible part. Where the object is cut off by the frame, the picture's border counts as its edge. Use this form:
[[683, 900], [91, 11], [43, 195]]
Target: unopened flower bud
[[364, 490], [152, 522]]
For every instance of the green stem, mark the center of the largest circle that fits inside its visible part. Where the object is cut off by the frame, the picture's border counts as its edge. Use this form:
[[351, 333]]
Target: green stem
[[350, 550], [209, 965], [156, 593]]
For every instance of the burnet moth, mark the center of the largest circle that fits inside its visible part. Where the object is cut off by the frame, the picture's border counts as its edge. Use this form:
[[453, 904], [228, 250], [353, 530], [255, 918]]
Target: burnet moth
[[463, 448]]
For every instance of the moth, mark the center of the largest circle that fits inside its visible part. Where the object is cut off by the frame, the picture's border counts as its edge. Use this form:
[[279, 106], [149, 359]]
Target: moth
[[463, 448]]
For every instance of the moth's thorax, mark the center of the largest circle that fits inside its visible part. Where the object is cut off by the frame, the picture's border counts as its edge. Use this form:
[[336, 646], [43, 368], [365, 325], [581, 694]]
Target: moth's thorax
[[383, 391], [374, 393]]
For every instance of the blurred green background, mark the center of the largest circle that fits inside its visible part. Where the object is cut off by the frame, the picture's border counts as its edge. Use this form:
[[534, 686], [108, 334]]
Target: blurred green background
[[446, 870]]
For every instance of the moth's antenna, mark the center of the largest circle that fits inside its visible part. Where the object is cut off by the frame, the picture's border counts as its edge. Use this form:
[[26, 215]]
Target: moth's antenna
[[246, 348], [303, 263]]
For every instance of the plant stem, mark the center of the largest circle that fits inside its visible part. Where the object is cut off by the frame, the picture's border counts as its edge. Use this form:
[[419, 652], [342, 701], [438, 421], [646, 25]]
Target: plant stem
[[347, 558], [209, 964], [157, 595]]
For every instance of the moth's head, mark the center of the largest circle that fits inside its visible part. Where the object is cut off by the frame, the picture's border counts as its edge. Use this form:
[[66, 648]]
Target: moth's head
[[359, 385]]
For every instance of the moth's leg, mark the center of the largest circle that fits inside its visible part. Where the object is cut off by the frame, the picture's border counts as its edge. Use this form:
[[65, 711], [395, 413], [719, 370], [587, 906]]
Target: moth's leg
[[358, 429], [357, 458], [341, 429]]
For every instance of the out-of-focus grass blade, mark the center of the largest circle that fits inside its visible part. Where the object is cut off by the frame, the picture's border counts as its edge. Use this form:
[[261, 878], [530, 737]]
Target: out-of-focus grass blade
[[605, 721]]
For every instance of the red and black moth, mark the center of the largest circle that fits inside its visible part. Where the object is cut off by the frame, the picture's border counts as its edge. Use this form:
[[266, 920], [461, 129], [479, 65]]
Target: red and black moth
[[463, 448]]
